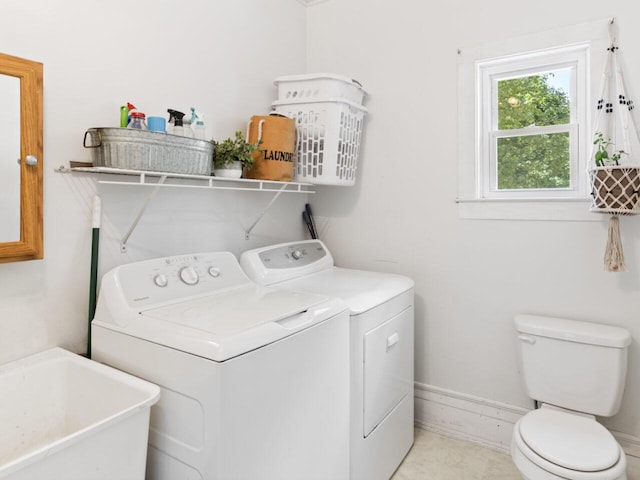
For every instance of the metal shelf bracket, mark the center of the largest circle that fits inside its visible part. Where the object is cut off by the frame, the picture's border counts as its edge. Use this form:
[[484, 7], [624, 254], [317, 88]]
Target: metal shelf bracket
[[264, 211], [123, 242]]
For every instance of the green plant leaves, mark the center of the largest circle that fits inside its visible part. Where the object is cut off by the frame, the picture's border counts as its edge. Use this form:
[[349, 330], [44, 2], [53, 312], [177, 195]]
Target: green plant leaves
[[234, 150]]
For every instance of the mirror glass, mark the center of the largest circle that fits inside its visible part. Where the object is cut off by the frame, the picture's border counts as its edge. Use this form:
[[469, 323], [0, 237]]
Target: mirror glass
[[21, 204], [9, 158]]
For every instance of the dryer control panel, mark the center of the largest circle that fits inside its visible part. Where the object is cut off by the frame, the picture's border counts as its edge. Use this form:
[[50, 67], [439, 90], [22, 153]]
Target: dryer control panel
[[277, 263], [292, 255]]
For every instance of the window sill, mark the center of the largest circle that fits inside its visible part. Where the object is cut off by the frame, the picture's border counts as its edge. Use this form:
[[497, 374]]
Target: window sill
[[553, 209]]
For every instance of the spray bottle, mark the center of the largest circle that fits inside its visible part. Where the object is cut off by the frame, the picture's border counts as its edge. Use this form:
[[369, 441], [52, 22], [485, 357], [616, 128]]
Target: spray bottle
[[197, 125], [186, 130], [175, 120], [125, 114]]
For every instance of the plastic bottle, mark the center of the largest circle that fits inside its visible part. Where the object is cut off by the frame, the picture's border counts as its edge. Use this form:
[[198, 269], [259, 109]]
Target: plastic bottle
[[186, 130], [197, 125], [175, 120], [138, 121], [130, 108], [124, 116], [171, 123]]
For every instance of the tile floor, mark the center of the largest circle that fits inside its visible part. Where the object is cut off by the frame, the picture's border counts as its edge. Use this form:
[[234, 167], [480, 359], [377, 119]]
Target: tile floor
[[436, 457]]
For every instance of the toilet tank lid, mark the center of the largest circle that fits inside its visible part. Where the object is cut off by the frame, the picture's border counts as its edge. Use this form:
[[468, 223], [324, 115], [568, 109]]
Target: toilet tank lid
[[573, 330]]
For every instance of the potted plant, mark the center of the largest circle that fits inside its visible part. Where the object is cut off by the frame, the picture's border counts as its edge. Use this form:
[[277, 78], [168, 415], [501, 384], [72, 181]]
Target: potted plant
[[232, 155], [602, 157], [614, 187]]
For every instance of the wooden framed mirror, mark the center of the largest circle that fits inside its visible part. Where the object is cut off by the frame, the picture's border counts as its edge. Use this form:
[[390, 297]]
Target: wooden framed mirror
[[21, 162]]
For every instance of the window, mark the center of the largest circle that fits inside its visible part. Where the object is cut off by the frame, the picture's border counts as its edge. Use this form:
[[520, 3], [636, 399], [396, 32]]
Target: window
[[524, 107], [531, 109]]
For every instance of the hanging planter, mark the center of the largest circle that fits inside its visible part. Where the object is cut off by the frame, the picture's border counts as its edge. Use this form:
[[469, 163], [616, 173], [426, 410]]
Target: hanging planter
[[615, 185], [615, 189]]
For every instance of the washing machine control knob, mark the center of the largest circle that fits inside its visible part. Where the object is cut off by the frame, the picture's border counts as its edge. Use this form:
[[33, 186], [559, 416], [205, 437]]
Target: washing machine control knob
[[189, 275], [160, 280], [214, 272], [297, 254]]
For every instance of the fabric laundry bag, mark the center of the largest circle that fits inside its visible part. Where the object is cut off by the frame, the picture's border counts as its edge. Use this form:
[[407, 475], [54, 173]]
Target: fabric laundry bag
[[274, 161]]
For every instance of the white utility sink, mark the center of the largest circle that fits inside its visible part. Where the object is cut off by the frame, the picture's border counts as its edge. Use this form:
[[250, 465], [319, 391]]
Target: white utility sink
[[63, 416]]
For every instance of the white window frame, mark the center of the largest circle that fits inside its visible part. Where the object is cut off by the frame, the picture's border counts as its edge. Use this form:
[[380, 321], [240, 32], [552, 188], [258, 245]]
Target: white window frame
[[580, 46], [489, 73]]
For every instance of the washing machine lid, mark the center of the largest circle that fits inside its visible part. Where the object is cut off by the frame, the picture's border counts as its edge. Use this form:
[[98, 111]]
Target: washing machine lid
[[570, 440], [229, 313], [229, 323]]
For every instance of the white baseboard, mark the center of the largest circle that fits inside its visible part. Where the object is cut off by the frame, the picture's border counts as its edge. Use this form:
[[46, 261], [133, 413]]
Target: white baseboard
[[629, 443], [466, 417], [479, 420]]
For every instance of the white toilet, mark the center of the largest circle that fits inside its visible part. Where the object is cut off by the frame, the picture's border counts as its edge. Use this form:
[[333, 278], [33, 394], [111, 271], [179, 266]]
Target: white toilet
[[575, 370]]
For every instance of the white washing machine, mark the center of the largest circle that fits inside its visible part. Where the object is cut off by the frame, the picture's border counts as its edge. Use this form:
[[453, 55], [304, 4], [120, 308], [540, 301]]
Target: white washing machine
[[381, 329], [253, 384]]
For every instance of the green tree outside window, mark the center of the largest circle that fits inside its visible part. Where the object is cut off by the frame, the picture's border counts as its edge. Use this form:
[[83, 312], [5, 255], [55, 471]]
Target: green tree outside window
[[532, 161]]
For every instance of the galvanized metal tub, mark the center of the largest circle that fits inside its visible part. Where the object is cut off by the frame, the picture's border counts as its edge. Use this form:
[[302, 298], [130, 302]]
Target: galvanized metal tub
[[149, 151]]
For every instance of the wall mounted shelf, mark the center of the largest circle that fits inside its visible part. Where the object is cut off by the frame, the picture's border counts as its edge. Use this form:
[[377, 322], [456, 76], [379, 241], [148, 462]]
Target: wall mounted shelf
[[157, 180]]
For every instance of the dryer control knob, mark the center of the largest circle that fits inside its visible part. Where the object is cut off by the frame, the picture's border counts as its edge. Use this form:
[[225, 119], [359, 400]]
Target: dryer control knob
[[189, 275], [160, 280], [214, 272], [296, 254]]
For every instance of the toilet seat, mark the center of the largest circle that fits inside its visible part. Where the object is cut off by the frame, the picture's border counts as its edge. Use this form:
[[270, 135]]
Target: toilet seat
[[538, 467], [571, 440]]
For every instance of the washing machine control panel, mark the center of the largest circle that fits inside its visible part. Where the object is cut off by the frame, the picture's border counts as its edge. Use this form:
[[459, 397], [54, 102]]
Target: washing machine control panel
[[165, 279]]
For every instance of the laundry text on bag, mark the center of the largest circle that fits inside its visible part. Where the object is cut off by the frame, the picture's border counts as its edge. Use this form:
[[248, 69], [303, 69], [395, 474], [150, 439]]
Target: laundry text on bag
[[278, 156]]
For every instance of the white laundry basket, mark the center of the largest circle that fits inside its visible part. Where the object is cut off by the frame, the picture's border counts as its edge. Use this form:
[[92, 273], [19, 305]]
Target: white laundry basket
[[328, 137], [316, 86]]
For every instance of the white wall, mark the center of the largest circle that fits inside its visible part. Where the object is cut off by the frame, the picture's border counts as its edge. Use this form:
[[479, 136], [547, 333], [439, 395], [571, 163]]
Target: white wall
[[472, 276], [220, 57]]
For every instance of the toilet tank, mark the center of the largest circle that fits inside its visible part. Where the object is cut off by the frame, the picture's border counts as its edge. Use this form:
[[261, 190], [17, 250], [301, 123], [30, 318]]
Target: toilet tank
[[572, 364]]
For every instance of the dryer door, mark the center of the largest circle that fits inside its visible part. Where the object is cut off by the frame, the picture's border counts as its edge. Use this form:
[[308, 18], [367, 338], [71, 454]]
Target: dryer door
[[388, 367]]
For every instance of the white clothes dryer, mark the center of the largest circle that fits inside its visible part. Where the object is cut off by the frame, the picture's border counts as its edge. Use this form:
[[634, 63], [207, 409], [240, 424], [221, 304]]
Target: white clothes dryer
[[381, 326], [253, 384]]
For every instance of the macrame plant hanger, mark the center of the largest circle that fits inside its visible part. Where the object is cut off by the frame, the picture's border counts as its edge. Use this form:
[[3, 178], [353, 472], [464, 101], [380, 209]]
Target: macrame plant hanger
[[614, 175]]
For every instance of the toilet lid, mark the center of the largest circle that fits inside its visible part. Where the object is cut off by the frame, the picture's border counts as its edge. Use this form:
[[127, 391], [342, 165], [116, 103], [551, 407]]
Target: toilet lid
[[569, 440]]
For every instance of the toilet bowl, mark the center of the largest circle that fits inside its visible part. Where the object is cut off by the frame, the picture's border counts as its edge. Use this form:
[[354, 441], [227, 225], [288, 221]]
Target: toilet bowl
[[575, 370], [552, 443]]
